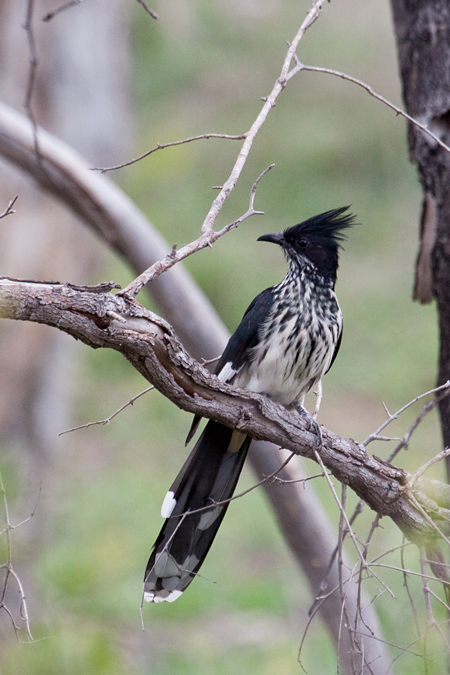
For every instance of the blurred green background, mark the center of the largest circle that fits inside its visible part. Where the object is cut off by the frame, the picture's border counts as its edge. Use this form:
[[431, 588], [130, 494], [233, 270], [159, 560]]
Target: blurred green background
[[203, 67]]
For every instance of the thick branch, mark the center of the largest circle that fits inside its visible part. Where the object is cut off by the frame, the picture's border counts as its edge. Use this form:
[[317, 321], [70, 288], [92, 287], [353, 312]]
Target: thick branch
[[103, 320]]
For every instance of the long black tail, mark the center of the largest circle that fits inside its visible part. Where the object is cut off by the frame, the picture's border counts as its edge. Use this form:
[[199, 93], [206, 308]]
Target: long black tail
[[208, 477]]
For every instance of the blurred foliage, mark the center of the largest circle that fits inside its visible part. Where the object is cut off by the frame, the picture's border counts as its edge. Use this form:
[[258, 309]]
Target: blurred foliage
[[203, 67]]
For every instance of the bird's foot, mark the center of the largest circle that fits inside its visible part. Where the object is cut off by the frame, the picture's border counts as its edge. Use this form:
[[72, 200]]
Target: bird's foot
[[314, 426]]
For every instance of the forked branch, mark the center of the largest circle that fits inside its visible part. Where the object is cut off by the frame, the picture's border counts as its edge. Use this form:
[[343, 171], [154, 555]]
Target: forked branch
[[100, 319]]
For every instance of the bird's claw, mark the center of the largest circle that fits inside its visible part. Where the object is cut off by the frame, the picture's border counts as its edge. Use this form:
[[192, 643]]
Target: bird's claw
[[314, 426]]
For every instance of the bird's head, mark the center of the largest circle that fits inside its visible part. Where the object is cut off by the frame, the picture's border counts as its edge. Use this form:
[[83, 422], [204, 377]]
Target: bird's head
[[315, 241]]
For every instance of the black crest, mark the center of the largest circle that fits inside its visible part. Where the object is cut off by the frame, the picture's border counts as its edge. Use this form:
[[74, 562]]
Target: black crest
[[326, 229], [316, 240]]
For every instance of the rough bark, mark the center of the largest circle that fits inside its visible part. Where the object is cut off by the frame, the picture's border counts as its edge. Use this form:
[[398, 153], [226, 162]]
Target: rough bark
[[101, 319], [422, 29]]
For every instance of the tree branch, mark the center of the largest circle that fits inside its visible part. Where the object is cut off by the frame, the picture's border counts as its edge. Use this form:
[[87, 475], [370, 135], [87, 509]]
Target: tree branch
[[208, 234], [202, 242], [162, 146], [150, 344]]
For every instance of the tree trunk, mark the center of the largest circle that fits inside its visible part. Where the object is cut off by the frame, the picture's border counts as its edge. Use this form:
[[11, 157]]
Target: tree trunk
[[422, 29]]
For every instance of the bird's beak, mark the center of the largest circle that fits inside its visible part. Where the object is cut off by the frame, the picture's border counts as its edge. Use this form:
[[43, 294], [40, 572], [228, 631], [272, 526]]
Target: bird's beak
[[274, 238]]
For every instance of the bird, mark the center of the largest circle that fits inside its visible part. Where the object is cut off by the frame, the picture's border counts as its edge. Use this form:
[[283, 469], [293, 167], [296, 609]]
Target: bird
[[286, 341]]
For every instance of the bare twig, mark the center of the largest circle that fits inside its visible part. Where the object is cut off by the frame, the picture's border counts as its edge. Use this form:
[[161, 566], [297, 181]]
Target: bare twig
[[410, 572], [428, 407], [345, 619], [432, 623], [444, 391], [33, 63], [269, 103], [267, 479], [162, 146], [378, 97], [50, 15], [9, 209], [202, 242], [406, 585], [147, 9], [394, 416], [107, 420], [363, 561], [209, 235], [10, 572], [437, 458]]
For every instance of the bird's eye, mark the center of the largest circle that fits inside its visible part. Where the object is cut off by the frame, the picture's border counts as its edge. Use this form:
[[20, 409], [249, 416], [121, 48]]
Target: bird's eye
[[303, 243]]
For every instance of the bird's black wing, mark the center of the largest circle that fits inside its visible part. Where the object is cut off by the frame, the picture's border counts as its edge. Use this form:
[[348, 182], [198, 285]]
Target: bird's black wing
[[246, 335], [336, 349], [244, 338]]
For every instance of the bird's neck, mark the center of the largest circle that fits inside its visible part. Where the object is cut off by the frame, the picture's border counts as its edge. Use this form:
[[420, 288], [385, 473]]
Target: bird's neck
[[302, 275]]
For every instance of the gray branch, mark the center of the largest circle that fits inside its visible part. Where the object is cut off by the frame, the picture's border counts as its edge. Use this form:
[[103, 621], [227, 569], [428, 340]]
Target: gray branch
[[101, 319]]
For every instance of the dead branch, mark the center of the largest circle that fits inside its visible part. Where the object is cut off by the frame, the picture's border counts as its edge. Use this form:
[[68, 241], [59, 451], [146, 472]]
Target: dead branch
[[398, 111], [147, 9], [150, 344], [109, 419], [9, 209], [10, 573], [67, 5], [205, 239], [208, 234], [162, 146]]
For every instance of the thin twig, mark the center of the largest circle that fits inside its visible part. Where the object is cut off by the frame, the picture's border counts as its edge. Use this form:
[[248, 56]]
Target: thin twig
[[9, 209], [378, 97], [147, 9], [10, 572], [269, 103], [432, 623], [427, 408], [267, 479], [33, 63], [445, 390], [50, 15], [107, 420], [406, 585], [437, 458], [162, 146], [202, 242], [349, 527], [345, 619], [405, 571], [208, 233], [395, 415]]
